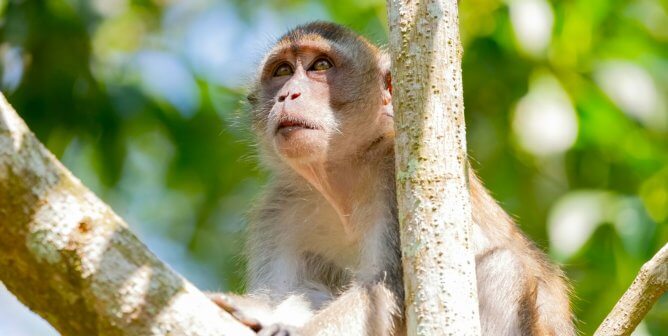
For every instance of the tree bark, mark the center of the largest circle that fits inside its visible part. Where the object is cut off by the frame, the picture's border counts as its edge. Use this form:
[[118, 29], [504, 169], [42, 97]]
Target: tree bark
[[68, 257], [650, 283], [432, 183]]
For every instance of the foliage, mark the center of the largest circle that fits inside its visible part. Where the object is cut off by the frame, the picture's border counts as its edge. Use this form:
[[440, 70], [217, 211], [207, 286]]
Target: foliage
[[566, 103]]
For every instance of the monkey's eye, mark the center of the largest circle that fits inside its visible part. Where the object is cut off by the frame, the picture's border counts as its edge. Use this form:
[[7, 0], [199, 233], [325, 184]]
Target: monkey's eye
[[321, 64], [283, 70]]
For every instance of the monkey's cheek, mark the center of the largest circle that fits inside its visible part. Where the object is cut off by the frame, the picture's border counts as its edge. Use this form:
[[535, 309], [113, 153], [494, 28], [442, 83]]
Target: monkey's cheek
[[301, 144]]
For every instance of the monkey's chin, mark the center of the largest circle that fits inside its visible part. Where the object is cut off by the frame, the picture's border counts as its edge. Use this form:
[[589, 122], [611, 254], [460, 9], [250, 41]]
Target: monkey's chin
[[300, 143]]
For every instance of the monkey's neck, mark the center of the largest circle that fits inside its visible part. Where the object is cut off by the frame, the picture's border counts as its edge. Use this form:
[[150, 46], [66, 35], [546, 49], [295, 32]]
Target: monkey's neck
[[348, 187]]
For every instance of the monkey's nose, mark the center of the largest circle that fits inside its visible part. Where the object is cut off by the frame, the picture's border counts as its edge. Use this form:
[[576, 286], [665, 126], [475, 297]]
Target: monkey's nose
[[281, 98]]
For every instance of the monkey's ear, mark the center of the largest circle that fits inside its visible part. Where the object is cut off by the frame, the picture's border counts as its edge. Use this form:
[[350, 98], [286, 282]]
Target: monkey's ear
[[384, 64], [388, 82]]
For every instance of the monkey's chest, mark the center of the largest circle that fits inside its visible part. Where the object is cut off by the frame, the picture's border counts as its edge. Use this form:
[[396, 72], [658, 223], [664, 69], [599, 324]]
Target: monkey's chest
[[330, 247], [321, 233]]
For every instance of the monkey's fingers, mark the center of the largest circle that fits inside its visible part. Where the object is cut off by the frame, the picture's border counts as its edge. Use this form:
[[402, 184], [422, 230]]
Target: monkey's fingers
[[278, 330], [251, 323], [226, 303], [223, 301]]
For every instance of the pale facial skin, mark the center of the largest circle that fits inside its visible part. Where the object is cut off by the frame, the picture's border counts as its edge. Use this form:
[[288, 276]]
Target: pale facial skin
[[300, 135]]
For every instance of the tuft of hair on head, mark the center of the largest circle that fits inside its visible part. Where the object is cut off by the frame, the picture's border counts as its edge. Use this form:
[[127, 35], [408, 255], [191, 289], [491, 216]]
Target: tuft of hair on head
[[329, 31]]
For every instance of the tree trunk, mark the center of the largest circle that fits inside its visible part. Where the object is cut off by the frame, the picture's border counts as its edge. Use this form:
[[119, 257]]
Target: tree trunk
[[648, 286], [68, 257], [432, 183]]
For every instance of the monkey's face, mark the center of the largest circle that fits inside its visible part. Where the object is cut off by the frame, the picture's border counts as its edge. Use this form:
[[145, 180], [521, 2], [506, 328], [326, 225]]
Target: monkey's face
[[301, 119], [320, 100]]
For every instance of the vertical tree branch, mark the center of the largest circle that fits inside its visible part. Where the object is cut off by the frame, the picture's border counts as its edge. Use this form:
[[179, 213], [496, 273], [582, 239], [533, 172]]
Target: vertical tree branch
[[650, 283], [69, 258], [432, 183]]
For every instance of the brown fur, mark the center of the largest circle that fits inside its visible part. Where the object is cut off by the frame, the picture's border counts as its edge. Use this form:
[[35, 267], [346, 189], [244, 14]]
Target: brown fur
[[324, 240]]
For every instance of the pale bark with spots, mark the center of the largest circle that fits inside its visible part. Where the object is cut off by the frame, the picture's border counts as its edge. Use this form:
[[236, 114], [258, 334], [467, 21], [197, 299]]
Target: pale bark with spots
[[432, 177], [69, 258], [648, 286]]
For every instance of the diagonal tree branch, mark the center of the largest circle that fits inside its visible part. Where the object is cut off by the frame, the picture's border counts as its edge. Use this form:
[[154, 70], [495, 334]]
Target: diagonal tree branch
[[648, 286], [67, 256]]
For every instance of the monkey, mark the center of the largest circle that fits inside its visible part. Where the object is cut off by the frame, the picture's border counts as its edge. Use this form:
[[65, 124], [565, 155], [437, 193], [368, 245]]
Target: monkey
[[323, 241]]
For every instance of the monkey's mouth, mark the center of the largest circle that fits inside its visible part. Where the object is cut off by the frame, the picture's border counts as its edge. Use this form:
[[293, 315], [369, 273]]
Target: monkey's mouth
[[290, 125]]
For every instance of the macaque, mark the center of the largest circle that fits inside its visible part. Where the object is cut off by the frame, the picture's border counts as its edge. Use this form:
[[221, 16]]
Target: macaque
[[323, 250]]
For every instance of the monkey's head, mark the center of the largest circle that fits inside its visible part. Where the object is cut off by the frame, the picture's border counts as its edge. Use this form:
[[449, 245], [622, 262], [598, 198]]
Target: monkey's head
[[322, 95]]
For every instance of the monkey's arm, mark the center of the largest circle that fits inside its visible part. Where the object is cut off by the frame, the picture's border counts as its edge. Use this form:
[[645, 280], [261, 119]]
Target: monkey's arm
[[373, 302], [258, 311], [519, 291], [370, 309]]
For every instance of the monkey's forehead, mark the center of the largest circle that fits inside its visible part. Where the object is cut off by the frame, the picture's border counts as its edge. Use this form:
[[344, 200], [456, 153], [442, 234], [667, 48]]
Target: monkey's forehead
[[326, 30], [353, 48], [292, 41]]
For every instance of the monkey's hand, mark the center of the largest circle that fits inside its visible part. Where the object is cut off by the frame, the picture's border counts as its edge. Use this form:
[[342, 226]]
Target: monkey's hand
[[278, 329], [229, 304]]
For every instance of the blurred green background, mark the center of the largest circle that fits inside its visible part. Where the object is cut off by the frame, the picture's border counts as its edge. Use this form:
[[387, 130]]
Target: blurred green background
[[566, 106]]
